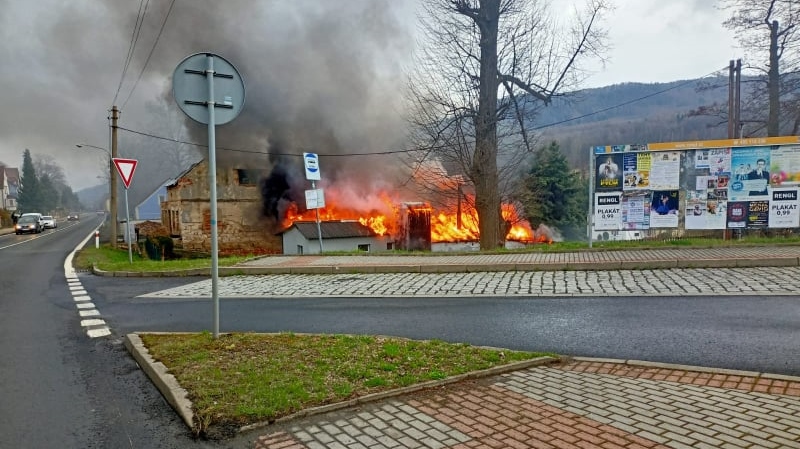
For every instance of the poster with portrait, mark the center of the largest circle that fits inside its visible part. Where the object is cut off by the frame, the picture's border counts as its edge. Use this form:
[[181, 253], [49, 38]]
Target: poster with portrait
[[750, 167], [783, 208], [636, 210], [785, 166], [664, 209], [665, 169], [696, 210], [607, 211], [635, 171], [609, 172]]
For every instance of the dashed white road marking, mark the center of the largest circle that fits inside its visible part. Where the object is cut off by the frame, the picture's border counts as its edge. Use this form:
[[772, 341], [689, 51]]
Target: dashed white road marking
[[95, 327]]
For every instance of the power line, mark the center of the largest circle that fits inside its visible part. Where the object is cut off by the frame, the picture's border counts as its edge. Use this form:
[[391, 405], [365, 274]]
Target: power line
[[163, 23], [137, 28], [387, 152]]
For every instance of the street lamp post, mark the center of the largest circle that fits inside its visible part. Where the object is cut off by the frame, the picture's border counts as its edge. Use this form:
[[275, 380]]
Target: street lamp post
[[112, 186]]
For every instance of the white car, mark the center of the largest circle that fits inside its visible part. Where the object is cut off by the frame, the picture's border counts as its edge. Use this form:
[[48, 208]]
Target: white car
[[48, 222]]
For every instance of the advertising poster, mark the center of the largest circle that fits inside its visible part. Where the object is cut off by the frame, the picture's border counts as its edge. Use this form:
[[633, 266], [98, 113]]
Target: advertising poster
[[716, 214], [636, 210], [696, 210], [737, 214], [701, 159], [785, 166], [609, 172], [757, 214], [783, 212], [665, 169], [636, 171], [607, 211], [750, 174], [719, 161], [664, 209]]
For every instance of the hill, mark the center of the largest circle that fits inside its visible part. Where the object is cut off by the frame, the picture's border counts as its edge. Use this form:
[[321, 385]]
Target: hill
[[631, 113]]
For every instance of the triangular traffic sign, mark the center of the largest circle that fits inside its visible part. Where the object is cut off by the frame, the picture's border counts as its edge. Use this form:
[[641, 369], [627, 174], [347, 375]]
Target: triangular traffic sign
[[125, 168]]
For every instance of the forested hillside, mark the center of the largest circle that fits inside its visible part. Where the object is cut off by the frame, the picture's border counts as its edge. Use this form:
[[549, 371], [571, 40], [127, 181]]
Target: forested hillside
[[630, 113]]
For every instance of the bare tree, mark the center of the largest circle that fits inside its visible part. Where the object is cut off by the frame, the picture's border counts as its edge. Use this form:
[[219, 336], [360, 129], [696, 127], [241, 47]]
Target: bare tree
[[768, 32], [485, 68]]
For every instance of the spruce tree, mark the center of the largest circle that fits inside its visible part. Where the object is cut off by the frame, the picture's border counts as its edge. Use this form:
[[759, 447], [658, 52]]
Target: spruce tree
[[555, 195], [29, 196]]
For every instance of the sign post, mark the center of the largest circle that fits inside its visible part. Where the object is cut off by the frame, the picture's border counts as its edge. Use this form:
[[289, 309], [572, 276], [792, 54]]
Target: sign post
[[125, 168], [204, 85], [311, 162]]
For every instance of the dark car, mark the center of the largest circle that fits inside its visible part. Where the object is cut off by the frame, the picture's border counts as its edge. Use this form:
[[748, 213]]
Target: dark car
[[28, 223], [73, 217]]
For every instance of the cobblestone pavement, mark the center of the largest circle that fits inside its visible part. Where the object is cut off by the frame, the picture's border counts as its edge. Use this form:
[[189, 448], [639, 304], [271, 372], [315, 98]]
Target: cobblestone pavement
[[667, 282], [580, 404]]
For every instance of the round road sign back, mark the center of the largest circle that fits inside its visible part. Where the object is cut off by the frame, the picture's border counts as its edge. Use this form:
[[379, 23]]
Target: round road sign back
[[190, 88]]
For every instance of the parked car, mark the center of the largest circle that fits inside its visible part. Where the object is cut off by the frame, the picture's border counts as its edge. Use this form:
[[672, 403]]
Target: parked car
[[28, 223], [48, 222], [73, 217]]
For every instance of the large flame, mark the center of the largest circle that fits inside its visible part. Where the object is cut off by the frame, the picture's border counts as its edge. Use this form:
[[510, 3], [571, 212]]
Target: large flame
[[447, 224]]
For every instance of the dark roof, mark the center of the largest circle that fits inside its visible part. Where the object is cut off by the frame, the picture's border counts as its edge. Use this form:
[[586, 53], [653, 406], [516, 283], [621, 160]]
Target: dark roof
[[331, 229]]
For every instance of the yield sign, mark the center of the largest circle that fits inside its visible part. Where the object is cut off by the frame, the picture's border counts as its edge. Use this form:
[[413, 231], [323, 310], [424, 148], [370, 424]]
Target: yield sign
[[125, 167]]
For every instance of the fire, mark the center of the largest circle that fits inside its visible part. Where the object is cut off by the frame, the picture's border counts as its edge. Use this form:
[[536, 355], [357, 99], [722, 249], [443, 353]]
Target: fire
[[383, 218]]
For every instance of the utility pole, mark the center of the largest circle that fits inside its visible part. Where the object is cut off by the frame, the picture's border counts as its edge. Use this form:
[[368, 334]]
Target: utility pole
[[113, 181], [731, 100], [738, 110]]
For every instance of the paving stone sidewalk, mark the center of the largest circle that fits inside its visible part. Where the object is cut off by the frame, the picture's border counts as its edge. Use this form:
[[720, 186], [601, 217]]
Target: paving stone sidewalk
[[584, 403]]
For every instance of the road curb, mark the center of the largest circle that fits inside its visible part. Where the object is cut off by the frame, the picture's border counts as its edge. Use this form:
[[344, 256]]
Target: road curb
[[166, 383], [678, 367]]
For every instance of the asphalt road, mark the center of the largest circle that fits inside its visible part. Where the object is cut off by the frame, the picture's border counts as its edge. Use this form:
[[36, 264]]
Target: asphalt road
[[756, 333], [58, 387]]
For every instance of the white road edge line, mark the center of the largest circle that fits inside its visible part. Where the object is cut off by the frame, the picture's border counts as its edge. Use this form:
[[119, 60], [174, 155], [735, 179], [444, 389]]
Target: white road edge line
[[94, 327]]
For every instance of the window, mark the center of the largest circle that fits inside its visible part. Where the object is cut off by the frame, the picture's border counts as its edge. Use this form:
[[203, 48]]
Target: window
[[247, 177], [364, 248]]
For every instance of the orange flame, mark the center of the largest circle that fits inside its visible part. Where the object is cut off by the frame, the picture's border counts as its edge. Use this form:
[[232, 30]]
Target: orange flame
[[445, 224]]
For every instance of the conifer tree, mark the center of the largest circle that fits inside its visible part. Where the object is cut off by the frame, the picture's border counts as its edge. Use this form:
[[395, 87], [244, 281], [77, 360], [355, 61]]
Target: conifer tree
[[29, 196], [555, 195]]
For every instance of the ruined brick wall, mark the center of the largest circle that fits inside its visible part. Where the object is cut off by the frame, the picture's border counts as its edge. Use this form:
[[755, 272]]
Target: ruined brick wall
[[240, 227]]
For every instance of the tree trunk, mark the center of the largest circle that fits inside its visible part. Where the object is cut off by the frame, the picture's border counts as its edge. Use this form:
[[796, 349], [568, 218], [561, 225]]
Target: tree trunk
[[484, 165], [773, 124]]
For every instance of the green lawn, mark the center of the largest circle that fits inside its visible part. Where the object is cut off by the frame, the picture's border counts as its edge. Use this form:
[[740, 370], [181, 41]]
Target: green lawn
[[244, 378]]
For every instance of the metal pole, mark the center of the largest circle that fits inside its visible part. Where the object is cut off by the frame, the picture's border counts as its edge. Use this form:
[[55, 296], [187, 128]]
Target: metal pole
[[212, 178], [590, 221], [128, 228], [319, 227]]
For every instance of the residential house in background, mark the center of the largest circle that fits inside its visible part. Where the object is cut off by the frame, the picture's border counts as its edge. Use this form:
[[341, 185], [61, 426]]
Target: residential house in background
[[9, 188], [302, 237], [150, 208], [241, 228]]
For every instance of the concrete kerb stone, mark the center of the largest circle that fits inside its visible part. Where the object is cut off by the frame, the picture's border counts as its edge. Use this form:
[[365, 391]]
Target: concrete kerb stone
[[443, 268], [166, 383], [556, 266], [768, 262], [494, 267], [594, 266], [678, 367], [648, 264], [708, 263]]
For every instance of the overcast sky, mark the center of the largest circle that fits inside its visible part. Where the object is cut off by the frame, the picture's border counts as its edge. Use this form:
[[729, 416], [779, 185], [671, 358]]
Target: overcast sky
[[317, 68]]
